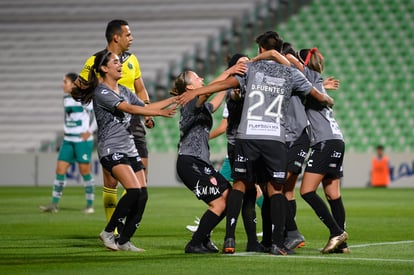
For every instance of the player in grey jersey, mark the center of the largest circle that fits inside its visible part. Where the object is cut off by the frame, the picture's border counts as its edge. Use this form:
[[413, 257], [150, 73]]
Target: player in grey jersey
[[193, 161], [326, 157], [113, 105], [267, 88]]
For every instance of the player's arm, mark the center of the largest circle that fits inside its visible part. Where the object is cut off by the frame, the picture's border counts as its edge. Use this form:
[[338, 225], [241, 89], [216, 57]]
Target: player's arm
[[148, 111], [272, 55], [294, 61], [325, 99], [228, 83], [219, 129], [218, 99], [331, 83]]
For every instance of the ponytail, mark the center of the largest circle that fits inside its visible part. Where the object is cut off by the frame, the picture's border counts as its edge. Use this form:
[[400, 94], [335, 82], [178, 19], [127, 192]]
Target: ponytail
[[83, 90]]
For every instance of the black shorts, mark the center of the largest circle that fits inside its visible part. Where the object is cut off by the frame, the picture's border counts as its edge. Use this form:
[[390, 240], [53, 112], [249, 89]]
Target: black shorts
[[267, 157], [108, 162], [296, 153], [326, 158], [201, 178]]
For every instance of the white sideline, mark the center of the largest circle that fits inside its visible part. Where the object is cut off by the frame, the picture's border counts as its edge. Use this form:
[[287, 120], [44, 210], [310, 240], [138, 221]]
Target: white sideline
[[385, 243], [326, 257]]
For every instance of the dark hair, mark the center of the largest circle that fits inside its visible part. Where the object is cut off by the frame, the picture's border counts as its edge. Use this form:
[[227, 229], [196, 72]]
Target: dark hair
[[233, 60], [287, 48], [180, 84], [72, 76], [114, 27], [270, 40], [380, 147], [83, 91]]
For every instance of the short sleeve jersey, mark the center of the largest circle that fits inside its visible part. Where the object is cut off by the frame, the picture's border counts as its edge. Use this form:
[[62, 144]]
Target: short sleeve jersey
[[195, 125], [78, 119], [113, 125], [267, 88], [130, 72], [234, 109], [297, 120], [323, 125]]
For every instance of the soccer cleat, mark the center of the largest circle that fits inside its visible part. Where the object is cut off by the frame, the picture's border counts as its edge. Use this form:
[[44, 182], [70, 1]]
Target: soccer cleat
[[341, 249], [229, 246], [51, 208], [196, 249], [108, 240], [334, 242], [294, 240], [210, 246], [88, 210], [128, 246], [278, 251], [255, 247]]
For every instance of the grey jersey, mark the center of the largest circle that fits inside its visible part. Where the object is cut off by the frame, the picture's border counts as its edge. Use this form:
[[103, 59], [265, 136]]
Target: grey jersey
[[114, 134], [297, 120], [267, 88], [195, 126], [323, 125]]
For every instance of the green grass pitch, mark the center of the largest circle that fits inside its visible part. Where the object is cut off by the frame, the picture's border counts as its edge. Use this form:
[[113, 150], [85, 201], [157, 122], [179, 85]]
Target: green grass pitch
[[380, 223]]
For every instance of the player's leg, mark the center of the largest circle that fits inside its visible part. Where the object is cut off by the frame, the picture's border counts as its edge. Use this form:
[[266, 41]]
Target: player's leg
[[332, 191], [65, 159], [83, 153]]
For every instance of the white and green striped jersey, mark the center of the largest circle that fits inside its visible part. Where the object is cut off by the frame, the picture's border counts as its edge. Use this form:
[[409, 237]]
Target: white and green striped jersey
[[78, 119]]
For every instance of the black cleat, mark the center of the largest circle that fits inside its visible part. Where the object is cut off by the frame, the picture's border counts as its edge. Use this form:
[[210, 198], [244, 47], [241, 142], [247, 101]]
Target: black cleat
[[210, 246], [255, 247], [229, 246], [278, 251], [197, 249]]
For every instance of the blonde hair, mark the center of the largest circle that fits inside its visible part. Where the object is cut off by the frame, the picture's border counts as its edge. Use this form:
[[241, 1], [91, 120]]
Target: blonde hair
[[313, 59], [180, 84]]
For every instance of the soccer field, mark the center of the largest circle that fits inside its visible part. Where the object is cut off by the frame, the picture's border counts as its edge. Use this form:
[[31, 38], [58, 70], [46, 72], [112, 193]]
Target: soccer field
[[380, 224]]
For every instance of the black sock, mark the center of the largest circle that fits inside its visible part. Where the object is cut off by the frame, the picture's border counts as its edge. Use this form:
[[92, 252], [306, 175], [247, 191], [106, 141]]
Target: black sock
[[234, 204], [338, 212], [207, 222], [249, 215], [134, 217], [290, 216], [278, 206], [127, 201], [322, 211], [266, 222]]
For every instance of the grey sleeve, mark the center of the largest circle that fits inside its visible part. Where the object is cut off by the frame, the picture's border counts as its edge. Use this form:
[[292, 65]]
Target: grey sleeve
[[301, 85], [107, 99]]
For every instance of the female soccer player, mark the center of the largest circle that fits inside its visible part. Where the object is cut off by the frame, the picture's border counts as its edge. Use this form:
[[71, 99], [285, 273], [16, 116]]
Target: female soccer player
[[193, 162], [113, 105], [325, 160], [77, 146]]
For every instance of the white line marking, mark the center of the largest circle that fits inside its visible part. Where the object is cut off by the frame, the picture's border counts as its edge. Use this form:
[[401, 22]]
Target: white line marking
[[326, 257], [385, 243]]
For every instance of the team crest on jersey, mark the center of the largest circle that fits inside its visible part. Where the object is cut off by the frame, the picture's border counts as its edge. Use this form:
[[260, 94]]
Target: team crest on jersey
[[130, 66], [213, 181]]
